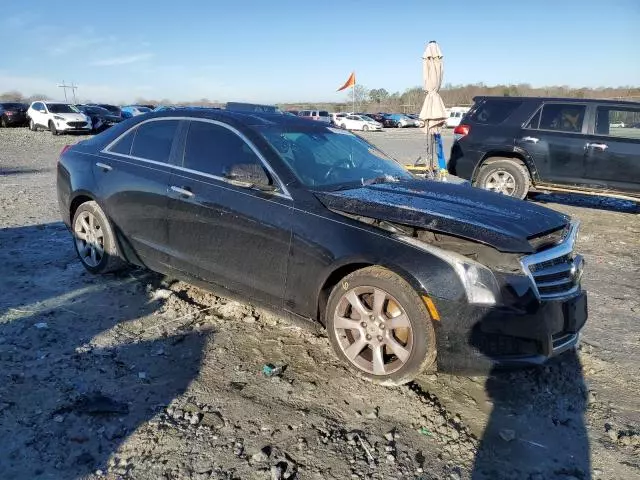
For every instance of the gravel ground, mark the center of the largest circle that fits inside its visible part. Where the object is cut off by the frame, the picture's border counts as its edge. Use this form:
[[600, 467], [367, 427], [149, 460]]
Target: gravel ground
[[138, 376]]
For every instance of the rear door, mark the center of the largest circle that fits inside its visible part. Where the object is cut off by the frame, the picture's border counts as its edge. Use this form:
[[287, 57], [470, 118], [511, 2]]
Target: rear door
[[554, 138], [612, 148], [230, 235], [132, 174]]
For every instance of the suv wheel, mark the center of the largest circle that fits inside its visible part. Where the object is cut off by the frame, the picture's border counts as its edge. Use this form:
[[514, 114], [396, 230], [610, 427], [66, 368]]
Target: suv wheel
[[32, 125], [52, 128], [504, 176], [379, 327], [3, 122], [94, 240], [365, 128]]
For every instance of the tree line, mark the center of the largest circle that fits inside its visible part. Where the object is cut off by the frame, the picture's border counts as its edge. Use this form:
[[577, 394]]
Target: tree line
[[409, 101]]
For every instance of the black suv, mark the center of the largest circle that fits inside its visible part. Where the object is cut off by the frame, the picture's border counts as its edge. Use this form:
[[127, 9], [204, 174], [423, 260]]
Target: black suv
[[513, 144]]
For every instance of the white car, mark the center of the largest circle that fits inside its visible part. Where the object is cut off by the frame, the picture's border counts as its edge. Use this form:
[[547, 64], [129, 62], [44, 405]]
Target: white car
[[455, 116], [358, 122], [58, 118], [336, 117]]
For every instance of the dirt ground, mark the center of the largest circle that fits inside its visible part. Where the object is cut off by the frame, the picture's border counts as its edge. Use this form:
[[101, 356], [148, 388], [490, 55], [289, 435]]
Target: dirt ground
[[138, 376]]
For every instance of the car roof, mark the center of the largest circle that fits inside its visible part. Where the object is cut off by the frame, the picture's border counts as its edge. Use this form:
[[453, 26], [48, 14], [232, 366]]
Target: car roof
[[557, 99], [246, 118]]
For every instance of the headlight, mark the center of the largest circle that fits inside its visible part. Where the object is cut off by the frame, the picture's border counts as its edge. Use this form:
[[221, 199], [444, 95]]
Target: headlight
[[479, 282], [58, 117]]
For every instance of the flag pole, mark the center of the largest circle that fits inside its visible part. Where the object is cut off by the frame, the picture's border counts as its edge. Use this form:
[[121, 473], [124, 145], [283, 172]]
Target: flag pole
[[354, 95]]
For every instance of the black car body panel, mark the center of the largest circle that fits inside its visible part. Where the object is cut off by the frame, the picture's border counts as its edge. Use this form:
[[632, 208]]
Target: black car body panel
[[284, 249], [452, 209], [596, 156]]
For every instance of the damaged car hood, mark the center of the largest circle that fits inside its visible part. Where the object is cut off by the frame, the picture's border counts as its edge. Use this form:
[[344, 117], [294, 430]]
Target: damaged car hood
[[478, 215]]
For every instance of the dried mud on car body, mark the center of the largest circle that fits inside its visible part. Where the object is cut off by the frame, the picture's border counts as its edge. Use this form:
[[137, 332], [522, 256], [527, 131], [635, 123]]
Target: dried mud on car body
[[135, 376]]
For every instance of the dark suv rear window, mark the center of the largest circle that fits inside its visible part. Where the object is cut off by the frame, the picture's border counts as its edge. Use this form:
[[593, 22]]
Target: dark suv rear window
[[493, 112]]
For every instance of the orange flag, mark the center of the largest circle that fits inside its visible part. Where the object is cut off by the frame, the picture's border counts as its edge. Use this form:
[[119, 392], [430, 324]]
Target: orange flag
[[349, 83]]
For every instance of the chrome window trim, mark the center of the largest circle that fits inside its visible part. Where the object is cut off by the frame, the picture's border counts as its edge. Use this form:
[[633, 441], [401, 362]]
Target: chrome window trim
[[564, 248], [284, 192]]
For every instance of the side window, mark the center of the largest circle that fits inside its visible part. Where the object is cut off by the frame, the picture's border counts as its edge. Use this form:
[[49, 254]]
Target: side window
[[38, 106], [153, 140], [494, 112], [535, 121], [214, 149], [618, 122], [562, 117], [123, 145]]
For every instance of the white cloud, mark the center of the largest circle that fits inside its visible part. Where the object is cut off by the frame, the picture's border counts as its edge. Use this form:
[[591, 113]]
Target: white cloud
[[125, 60]]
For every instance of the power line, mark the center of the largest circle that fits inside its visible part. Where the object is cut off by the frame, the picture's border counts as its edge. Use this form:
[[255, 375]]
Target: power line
[[73, 89]]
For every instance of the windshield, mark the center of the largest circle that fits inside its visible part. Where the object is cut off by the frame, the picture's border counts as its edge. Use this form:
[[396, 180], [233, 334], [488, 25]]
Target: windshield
[[62, 108], [143, 109], [331, 158]]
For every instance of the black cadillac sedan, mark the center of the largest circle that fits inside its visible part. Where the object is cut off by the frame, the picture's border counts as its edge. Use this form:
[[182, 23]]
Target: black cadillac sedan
[[315, 222]]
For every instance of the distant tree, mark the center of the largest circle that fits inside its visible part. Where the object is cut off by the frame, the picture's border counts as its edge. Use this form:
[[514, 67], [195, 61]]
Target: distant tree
[[12, 96], [361, 94], [378, 95]]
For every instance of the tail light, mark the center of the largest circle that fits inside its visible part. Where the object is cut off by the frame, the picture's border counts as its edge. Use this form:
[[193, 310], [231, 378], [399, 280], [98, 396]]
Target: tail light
[[461, 131], [63, 151]]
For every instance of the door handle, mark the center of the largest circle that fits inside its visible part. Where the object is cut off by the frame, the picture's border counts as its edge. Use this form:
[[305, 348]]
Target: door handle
[[531, 139], [104, 166], [597, 146], [182, 191]]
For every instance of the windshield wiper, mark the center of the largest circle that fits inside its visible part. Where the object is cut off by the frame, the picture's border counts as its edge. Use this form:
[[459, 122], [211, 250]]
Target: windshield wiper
[[381, 179]]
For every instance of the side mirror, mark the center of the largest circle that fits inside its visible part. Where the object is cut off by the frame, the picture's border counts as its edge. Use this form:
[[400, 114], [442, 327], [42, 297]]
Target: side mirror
[[249, 175]]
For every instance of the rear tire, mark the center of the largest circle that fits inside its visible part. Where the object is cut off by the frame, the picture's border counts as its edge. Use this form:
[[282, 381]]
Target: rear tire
[[94, 240], [393, 339], [343, 126], [505, 176], [365, 128], [3, 122]]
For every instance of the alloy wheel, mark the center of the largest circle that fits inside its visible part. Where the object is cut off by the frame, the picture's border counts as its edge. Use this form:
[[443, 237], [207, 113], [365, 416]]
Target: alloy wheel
[[501, 182], [89, 236], [373, 330]]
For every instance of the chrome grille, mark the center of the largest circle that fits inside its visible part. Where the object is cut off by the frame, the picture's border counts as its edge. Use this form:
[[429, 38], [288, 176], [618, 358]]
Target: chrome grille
[[556, 271]]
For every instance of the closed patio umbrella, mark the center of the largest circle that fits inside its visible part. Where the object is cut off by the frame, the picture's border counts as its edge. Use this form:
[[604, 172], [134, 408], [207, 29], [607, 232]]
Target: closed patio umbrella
[[433, 111]]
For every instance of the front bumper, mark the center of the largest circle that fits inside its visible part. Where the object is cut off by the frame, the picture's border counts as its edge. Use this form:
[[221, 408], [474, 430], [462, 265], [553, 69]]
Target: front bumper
[[65, 127], [475, 339]]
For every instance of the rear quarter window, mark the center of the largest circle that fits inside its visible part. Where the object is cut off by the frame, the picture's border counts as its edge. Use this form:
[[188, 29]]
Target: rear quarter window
[[154, 139], [494, 112]]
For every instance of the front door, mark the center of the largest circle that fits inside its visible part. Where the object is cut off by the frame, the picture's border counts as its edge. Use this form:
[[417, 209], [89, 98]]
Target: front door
[[613, 150], [230, 235], [554, 138], [133, 175]]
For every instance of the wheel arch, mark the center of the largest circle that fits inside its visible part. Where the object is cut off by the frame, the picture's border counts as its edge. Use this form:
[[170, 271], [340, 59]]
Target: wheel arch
[[338, 272], [516, 154]]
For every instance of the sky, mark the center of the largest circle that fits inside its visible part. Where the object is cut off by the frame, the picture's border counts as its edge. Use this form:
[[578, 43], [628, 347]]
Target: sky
[[276, 51]]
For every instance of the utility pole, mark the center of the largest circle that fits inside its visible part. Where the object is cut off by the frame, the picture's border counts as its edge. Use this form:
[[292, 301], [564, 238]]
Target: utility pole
[[73, 89]]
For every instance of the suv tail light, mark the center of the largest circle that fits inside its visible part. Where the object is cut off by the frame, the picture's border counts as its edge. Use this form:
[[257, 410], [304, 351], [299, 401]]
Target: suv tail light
[[461, 131]]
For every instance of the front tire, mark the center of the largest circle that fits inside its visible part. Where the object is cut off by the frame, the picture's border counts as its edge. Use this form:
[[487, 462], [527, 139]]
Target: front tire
[[505, 176], [32, 125], [3, 122], [94, 240], [365, 128], [379, 327], [52, 128]]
